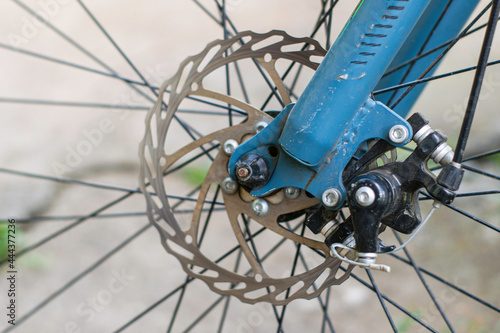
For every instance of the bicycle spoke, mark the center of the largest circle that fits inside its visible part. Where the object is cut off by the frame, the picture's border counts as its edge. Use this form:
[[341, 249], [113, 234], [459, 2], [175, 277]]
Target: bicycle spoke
[[399, 307], [259, 261], [80, 276], [381, 300], [410, 67], [228, 299], [320, 21], [75, 44], [94, 185], [65, 229], [472, 217], [478, 156], [227, 20], [424, 283], [236, 113], [292, 273], [209, 216], [177, 306], [480, 172], [36, 219], [426, 53], [441, 55], [62, 34], [204, 314], [431, 78], [477, 83], [189, 129], [323, 305], [173, 292], [70, 64]]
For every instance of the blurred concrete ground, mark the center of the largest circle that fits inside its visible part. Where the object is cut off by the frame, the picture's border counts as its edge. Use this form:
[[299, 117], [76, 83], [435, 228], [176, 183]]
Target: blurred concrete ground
[[157, 36]]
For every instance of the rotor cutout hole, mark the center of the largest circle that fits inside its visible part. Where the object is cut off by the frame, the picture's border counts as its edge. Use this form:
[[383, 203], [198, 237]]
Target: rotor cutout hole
[[230, 285], [258, 277], [195, 86], [149, 161], [267, 42], [256, 293], [316, 59], [168, 229], [189, 239], [297, 47], [342, 271], [179, 250], [153, 125], [290, 291], [210, 55], [319, 281], [185, 74], [268, 57], [210, 273]]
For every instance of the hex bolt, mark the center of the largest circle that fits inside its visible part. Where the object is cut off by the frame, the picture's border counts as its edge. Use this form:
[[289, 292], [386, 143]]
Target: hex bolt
[[260, 126], [398, 134], [260, 207], [243, 172], [229, 186], [230, 146], [365, 196], [292, 192], [331, 197]]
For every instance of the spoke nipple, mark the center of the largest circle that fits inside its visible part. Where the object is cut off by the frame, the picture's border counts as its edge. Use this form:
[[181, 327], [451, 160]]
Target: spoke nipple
[[365, 196], [229, 186], [292, 192], [230, 146], [398, 134], [331, 197], [260, 207]]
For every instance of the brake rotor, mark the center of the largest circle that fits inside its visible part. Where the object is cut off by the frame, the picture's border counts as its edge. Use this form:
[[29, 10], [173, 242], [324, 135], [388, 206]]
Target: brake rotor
[[255, 284]]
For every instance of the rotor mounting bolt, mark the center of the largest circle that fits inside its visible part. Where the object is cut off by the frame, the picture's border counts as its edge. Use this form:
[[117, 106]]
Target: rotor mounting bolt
[[331, 197], [229, 186], [365, 196], [230, 146], [260, 207], [260, 126], [398, 134], [292, 193]]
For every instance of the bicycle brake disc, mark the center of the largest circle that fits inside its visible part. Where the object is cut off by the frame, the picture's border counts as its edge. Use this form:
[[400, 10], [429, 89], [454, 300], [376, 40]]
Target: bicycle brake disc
[[253, 283]]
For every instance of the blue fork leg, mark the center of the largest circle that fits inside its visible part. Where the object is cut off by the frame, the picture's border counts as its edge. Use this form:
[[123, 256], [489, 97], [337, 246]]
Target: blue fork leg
[[432, 30], [347, 76]]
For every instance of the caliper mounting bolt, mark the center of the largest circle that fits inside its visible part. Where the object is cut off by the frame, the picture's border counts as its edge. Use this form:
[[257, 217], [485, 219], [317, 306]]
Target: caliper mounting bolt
[[331, 197]]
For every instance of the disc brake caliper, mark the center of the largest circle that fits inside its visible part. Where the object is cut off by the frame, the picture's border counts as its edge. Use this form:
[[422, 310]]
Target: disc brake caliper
[[388, 195]]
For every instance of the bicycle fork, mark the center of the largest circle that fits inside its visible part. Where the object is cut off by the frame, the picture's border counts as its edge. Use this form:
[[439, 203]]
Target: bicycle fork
[[310, 145]]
